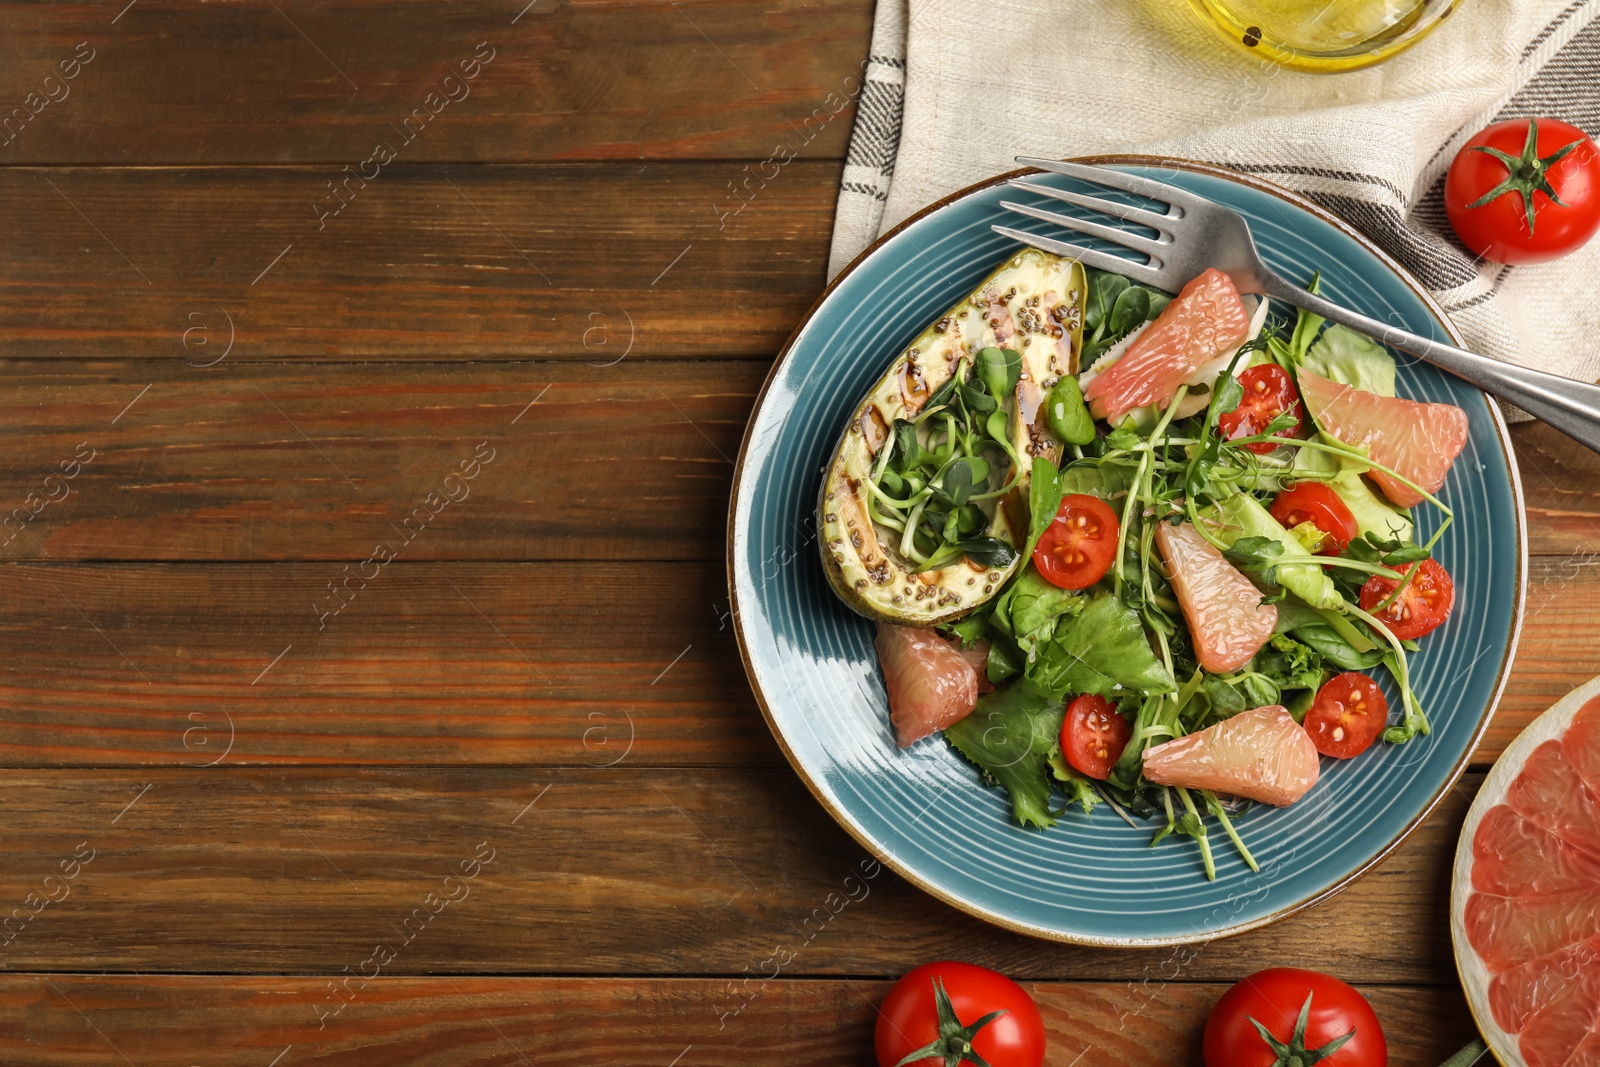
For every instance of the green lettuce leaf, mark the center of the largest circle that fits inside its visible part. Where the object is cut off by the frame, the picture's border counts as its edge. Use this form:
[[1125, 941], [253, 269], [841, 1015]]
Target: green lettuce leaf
[[1103, 650], [1104, 479], [1290, 663], [1028, 610], [1006, 658], [1044, 500], [972, 628], [1350, 358], [1009, 737], [1078, 787], [1333, 647]]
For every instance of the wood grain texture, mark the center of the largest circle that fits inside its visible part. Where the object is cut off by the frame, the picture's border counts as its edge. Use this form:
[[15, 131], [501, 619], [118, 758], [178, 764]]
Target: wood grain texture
[[1561, 483], [536, 663], [272, 462], [168, 1022], [551, 663], [568, 79], [424, 262], [610, 870]]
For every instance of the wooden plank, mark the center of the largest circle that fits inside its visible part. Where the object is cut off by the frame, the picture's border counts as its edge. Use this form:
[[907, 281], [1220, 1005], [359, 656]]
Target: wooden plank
[[160, 1021], [425, 262], [457, 662], [265, 462], [168, 83], [1561, 483], [594, 871], [553, 663], [1554, 656]]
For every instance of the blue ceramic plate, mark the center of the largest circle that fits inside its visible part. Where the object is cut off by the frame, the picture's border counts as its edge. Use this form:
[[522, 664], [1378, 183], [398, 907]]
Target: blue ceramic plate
[[1091, 879]]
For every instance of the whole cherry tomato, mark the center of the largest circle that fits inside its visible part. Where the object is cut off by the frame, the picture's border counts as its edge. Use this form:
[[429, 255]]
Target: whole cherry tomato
[[955, 1013], [1305, 1012], [1525, 192]]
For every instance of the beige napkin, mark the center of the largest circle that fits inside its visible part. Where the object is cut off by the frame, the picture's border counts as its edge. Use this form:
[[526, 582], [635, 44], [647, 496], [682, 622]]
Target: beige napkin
[[956, 89]]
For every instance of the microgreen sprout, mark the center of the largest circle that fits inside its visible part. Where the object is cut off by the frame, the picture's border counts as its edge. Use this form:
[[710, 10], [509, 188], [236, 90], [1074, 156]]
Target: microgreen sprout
[[933, 472]]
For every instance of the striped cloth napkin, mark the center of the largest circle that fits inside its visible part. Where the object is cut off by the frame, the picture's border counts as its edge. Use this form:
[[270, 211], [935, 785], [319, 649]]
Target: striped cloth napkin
[[955, 89]]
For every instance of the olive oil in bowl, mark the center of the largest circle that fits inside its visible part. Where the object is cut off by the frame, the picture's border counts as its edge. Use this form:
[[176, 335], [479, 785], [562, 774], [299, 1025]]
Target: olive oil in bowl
[[1324, 35]]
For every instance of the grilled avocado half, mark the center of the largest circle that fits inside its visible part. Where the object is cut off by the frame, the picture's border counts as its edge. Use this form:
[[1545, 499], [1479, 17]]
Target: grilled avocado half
[[1033, 304]]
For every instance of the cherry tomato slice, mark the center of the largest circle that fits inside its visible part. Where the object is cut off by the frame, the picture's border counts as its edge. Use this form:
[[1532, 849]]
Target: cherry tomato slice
[[1093, 736], [1319, 505], [1422, 608], [1347, 716], [1268, 393], [1076, 549]]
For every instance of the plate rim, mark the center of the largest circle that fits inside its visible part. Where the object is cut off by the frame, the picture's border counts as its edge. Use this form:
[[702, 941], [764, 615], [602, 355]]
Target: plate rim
[[884, 856]]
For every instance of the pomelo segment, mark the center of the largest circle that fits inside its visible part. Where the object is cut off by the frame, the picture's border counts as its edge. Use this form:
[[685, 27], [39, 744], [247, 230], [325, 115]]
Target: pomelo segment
[[1227, 621], [1514, 858], [1549, 793], [1553, 1035], [930, 683], [1201, 323], [1262, 754], [1587, 1053], [1509, 931], [1518, 994], [1420, 441], [1581, 745]]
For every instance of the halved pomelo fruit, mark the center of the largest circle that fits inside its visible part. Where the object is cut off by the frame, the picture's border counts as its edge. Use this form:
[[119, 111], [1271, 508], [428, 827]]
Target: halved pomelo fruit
[[1227, 621], [1525, 908], [1202, 322], [931, 683], [1418, 440], [1262, 754]]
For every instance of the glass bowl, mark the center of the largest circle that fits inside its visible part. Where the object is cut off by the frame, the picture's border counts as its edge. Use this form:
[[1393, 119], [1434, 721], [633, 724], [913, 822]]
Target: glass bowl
[[1324, 36]]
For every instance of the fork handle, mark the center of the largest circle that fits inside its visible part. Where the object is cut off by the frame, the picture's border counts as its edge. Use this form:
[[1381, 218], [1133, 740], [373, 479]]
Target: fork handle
[[1571, 406]]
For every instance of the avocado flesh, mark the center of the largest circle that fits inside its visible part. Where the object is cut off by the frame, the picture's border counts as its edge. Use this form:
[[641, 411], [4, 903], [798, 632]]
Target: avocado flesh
[[1032, 304], [1241, 515]]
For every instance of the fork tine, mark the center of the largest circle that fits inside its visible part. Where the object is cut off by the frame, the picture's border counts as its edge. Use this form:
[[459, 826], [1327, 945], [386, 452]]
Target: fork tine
[[1151, 219], [1135, 241], [1128, 183], [1138, 272]]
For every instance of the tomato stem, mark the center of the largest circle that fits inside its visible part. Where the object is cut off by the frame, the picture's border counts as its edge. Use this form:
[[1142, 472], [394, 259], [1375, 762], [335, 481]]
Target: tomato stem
[[1526, 174], [954, 1043], [1294, 1053]]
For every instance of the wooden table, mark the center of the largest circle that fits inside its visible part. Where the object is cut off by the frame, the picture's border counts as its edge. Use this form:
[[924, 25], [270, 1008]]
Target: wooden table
[[371, 376]]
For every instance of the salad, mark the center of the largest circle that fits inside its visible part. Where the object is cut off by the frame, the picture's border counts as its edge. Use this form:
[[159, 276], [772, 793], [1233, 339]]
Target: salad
[[1139, 549]]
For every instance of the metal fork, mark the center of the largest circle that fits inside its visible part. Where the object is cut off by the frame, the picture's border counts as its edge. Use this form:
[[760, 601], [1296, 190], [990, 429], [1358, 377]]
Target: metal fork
[[1195, 233]]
